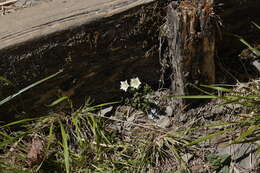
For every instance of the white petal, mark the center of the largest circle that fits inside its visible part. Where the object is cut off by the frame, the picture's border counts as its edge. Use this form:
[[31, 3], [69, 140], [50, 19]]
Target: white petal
[[135, 82], [124, 85]]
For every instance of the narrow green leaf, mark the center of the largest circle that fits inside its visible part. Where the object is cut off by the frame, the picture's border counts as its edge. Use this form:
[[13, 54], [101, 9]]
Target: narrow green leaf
[[7, 167], [201, 90], [19, 122], [218, 88], [229, 101], [246, 141], [246, 43], [246, 133], [65, 147], [205, 138], [50, 137], [214, 125], [5, 135], [59, 100], [104, 136], [27, 88], [256, 25], [258, 150], [197, 97], [255, 51], [13, 139]]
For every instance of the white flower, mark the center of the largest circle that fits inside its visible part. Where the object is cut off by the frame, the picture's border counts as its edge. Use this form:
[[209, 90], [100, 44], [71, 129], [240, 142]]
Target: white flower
[[135, 82], [124, 85]]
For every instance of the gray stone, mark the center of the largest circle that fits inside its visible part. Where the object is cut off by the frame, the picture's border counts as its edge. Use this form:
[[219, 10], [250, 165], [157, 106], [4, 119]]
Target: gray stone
[[256, 64], [164, 122], [103, 112], [169, 111], [244, 156], [186, 157]]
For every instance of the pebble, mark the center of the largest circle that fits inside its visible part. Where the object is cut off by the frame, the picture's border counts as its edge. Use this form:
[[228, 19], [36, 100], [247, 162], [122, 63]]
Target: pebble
[[164, 122], [169, 111]]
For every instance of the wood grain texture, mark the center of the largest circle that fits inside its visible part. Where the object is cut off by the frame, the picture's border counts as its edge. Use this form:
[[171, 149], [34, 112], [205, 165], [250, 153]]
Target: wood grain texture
[[57, 16], [192, 43]]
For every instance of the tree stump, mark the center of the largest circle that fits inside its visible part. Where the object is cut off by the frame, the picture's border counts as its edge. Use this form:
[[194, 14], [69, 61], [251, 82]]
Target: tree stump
[[192, 41]]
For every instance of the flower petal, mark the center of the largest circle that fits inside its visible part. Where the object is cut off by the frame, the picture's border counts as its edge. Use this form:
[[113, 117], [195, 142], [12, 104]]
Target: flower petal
[[124, 85], [135, 82]]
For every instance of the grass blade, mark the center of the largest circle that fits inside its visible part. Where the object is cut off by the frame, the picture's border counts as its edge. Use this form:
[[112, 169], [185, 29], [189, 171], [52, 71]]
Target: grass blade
[[27, 88], [201, 90], [255, 51], [11, 168], [59, 100], [256, 25], [246, 133], [65, 147], [50, 137], [218, 88], [197, 97], [205, 138], [18, 122]]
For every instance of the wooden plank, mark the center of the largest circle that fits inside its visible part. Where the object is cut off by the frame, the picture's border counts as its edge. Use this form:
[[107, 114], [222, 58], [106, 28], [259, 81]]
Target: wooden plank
[[56, 16]]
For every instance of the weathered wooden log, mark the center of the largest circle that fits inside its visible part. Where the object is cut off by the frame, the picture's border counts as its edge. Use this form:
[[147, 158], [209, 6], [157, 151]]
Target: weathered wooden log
[[192, 42], [195, 31], [96, 43]]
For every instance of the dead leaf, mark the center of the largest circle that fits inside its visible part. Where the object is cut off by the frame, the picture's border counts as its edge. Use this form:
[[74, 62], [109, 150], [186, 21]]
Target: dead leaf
[[35, 155]]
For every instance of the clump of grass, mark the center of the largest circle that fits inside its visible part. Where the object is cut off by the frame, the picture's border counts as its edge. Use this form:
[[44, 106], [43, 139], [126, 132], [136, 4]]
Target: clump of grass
[[246, 95], [244, 126], [83, 142]]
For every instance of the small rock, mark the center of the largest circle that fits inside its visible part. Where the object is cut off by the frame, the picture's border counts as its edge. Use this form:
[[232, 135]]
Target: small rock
[[243, 155], [103, 112], [182, 117], [186, 157], [169, 111], [256, 64], [164, 122], [218, 110]]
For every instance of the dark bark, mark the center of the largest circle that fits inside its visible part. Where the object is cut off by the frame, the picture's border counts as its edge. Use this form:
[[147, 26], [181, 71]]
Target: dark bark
[[191, 40]]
